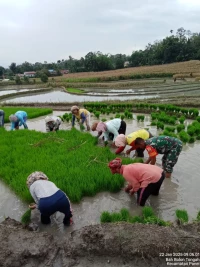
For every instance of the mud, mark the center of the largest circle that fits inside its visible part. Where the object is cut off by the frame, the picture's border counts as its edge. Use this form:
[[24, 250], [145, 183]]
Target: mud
[[115, 245]]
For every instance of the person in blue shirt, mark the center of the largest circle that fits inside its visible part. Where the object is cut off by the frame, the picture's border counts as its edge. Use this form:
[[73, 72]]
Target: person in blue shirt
[[18, 119]]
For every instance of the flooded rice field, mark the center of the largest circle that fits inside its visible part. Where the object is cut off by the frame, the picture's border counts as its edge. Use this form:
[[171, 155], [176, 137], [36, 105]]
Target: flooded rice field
[[59, 96], [181, 191]]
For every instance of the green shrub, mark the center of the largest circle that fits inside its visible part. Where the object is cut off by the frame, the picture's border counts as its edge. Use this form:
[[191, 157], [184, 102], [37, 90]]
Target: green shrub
[[182, 216]]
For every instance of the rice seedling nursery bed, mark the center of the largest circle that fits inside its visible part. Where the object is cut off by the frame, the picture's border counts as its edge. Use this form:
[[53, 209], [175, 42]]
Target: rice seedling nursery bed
[[32, 112], [70, 159]]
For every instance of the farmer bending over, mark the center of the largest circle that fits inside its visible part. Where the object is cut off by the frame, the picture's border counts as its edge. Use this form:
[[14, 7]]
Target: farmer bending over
[[110, 129], [48, 198], [2, 115], [52, 123], [169, 146], [18, 119], [81, 114], [121, 141], [144, 179]]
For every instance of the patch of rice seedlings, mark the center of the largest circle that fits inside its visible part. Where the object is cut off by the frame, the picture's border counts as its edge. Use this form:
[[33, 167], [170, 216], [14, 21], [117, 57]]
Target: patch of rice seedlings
[[182, 216], [140, 117], [105, 217], [160, 125], [198, 216], [170, 129], [180, 127], [26, 217], [103, 119], [184, 137], [191, 140], [147, 212]]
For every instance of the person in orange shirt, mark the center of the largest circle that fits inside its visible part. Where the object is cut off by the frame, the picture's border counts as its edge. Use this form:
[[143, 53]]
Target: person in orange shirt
[[169, 146], [144, 179]]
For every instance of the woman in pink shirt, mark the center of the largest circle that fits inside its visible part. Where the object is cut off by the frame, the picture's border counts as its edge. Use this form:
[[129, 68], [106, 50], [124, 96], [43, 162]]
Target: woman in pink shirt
[[142, 178]]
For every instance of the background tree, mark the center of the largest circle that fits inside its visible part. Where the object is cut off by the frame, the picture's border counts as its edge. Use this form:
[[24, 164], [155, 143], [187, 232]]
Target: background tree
[[13, 68]]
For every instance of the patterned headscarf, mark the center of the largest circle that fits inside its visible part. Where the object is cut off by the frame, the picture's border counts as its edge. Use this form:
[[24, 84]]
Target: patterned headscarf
[[13, 118], [74, 108], [94, 126], [120, 140], [101, 127], [115, 164], [35, 176]]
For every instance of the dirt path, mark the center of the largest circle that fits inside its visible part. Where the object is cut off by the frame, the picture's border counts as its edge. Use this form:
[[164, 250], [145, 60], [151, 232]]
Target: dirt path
[[122, 244]]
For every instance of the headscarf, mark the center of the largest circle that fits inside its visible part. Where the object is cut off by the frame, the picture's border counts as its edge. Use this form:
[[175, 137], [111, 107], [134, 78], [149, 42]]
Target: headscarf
[[48, 119], [115, 164], [35, 176], [94, 126], [101, 127], [13, 118], [120, 140], [74, 108]]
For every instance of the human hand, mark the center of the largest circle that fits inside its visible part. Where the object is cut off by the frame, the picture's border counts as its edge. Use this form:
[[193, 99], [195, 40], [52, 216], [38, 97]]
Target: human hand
[[32, 206], [128, 152], [131, 192]]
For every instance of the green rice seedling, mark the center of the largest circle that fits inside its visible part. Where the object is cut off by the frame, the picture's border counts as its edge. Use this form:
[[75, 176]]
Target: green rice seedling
[[125, 215], [117, 115], [140, 117], [26, 217], [184, 136], [147, 212], [97, 114], [111, 118], [160, 125], [182, 119], [191, 140], [136, 219], [182, 216], [180, 127], [170, 129], [154, 116], [130, 116], [153, 123], [191, 130], [122, 117], [198, 137], [198, 216], [103, 119], [105, 217], [198, 118], [116, 217]]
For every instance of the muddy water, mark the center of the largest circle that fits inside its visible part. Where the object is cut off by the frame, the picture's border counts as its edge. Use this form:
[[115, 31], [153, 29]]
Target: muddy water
[[181, 191]]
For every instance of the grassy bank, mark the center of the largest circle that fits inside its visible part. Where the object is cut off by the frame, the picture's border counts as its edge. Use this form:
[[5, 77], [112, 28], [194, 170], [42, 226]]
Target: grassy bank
[[74, 91], [32, 112], [71, 159]]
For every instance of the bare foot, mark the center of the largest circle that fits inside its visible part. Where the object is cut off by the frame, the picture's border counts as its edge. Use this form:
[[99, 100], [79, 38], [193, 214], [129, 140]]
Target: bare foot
[[168, 175]]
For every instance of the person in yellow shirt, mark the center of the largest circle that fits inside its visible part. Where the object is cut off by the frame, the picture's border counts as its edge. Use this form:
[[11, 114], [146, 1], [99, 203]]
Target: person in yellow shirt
[[121, 141], [82, 115]]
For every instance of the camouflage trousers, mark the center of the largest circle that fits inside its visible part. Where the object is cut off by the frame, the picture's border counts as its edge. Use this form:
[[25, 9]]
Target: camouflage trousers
[[170, 159]]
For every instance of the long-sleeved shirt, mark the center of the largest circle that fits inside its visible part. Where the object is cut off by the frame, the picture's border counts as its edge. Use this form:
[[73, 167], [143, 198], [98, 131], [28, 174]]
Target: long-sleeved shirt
[[42, 188], [139, 175], [53, 125], [21, 115], [112, 127], [82, 115]]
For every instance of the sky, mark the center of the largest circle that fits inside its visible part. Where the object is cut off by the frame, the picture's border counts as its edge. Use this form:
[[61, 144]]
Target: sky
[[51, 30]]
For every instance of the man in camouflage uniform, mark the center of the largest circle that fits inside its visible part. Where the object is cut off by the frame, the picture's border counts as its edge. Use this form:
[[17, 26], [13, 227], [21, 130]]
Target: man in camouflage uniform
[[169, 146]]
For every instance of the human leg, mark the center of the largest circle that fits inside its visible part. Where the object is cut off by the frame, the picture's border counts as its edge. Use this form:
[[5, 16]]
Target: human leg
[[142, 195], [155, 187], [2, 115], [64, 206], [87, 121], [122, 129]]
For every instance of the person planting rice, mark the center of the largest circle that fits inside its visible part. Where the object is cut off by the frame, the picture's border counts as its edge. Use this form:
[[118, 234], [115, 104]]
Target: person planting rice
[[52, 123], [121, 141], [144, 179], [48, 198], [2, 115], [110, 129], [169, 146], [82, 115], [18, 119]]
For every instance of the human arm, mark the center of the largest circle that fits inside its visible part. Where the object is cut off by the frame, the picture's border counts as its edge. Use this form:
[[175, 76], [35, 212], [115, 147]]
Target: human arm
[[83, 117], [73, 120], [151, 160], [12, 126], [22, 121], [152, 155], [34, 196]]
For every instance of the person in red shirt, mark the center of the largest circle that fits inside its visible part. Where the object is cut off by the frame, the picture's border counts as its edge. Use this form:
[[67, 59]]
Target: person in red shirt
[[144, 179]]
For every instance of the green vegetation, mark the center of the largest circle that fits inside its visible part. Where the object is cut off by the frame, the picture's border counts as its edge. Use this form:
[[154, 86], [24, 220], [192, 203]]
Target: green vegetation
[[32, 112], [140, 117], [26, 217], [148, 217], [182, 216], [70, 159], [66, 117], [74, 90]]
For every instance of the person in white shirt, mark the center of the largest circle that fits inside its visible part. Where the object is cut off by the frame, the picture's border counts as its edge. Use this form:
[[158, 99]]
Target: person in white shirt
[[48, 198], [52, 123]]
